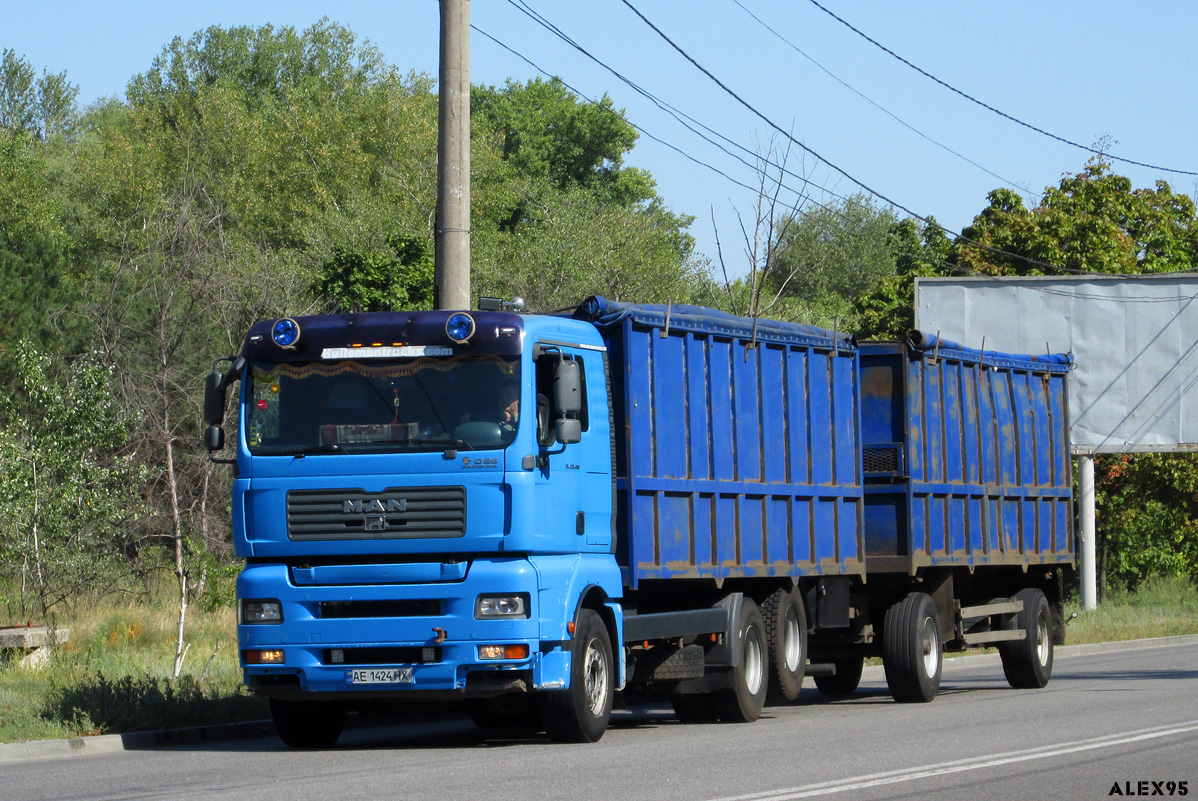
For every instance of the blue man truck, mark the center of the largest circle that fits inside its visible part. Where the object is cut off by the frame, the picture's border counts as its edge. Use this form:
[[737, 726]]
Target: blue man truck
[[526, 515]]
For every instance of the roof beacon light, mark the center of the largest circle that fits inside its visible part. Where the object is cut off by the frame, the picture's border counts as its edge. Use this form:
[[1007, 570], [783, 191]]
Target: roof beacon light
[[459, 327], [285, 333]]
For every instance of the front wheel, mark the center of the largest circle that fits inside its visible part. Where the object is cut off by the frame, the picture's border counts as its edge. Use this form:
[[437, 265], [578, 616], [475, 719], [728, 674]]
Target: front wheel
[[308, 724], [580, 713], [911, 650], [1027, 663]]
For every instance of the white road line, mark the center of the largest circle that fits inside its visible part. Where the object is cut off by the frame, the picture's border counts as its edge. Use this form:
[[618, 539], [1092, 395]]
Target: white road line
[[958, 766]]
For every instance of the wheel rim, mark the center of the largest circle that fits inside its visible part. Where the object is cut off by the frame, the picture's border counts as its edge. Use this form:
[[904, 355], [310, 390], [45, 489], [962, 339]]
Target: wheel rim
[[792, 642], [595, 679], [754, 672], [930, 645], [1042, 639]]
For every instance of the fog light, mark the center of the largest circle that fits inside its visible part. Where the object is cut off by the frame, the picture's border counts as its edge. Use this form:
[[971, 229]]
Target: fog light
[[266, 657], [503, 651], [337, 656]]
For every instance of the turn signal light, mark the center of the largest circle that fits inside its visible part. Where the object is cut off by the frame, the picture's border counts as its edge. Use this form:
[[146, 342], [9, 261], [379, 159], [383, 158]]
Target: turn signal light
[[267, 657], [503, 651]]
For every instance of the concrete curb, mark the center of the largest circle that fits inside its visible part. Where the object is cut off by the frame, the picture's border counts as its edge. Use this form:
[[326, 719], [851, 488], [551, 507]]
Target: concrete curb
[[137, 741]]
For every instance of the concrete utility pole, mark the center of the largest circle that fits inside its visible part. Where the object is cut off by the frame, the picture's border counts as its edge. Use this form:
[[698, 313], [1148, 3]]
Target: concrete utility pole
[[452, 283]]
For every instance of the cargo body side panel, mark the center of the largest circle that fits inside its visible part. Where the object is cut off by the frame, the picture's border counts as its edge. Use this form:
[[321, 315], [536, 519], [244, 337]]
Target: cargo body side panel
[[966, 459], [735, 459]]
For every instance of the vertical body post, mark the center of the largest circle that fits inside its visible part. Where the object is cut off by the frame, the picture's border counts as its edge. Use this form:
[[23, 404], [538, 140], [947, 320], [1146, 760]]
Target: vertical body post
[[1088, 551], [452, 282]]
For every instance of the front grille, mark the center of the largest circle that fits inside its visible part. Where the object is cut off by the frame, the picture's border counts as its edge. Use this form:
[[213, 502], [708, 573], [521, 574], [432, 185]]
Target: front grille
[[409, 655], [338, 610], [394, 513]]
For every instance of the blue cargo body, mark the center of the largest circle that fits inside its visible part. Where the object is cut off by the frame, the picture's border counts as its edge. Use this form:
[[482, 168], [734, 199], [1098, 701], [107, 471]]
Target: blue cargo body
[[966, 456], [740, 451]]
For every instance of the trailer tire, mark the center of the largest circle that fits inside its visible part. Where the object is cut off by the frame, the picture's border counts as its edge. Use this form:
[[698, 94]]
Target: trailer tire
[[308, 724], [846, 678], [744, 700], [911, 649], [786, 635], [1027, 663], [580, 713]]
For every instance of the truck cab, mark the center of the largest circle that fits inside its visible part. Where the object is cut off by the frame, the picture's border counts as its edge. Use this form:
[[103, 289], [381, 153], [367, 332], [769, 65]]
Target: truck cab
[[424, 502]]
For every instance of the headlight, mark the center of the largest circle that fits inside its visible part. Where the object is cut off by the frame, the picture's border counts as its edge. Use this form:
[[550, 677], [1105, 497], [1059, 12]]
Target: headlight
[[258, 611], [501, 606]]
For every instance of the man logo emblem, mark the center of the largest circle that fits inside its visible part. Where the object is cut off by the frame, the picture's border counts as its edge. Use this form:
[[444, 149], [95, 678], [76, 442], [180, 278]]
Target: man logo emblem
[[376, 506]]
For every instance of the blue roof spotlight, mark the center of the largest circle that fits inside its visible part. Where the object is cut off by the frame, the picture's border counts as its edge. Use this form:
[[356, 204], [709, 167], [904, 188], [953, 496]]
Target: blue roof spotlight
[[459, 327], [285, 333]]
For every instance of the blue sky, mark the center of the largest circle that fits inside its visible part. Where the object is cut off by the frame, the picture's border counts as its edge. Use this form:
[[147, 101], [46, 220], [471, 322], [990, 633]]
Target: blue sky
[[1082, 71]]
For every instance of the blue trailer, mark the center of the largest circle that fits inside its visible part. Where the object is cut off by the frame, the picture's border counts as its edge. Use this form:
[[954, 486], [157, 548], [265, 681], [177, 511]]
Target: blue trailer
[[525, 515]]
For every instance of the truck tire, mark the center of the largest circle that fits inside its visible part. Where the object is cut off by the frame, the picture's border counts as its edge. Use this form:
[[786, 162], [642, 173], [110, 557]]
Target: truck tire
[[744, 700], [1027, 663], [786, 636], [692, 707], [580, 714], [911, 649], [308, 724], [846, 679]]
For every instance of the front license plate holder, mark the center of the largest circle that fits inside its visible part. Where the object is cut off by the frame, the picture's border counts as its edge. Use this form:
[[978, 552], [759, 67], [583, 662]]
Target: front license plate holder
[[379, 676]]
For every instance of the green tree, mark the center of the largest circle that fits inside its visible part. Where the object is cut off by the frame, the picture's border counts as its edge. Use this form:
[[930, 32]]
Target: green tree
[[919, 250], [396, 280], [827, 256], [18, 94], [67, 493]]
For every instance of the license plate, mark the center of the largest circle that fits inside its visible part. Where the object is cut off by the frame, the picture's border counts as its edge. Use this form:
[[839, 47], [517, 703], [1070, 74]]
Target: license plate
[[381, 676]]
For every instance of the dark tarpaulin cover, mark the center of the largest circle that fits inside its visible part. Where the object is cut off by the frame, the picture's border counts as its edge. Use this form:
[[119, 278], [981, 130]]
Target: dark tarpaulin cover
[[932, 345], [604, 313]]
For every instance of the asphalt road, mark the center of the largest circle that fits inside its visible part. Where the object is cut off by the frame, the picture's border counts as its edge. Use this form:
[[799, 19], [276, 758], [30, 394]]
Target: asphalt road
[[1124, 720]]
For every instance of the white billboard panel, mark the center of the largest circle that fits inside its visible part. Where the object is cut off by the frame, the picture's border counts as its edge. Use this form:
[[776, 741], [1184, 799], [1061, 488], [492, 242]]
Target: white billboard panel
[[1134, 340]]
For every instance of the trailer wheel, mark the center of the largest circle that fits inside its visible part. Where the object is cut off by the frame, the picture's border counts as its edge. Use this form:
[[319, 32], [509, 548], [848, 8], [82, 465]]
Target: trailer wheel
[[743, 702], [308, 724], [786, 633], [846, 679], [580, 714], [1027, 663], [911, 649]]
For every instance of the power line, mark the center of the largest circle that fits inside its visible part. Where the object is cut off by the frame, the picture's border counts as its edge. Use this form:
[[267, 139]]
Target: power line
[[988, 107], [872, 102], [864, 186]]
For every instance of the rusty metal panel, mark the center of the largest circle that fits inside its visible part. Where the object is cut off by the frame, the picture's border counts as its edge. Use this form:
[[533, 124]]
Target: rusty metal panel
[[984, 478], [738, 451]]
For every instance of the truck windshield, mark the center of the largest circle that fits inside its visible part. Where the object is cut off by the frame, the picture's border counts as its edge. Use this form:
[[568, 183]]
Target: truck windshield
[[395, 405]]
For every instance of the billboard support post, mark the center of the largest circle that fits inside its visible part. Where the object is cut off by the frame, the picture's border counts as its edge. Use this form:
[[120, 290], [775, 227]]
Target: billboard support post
[[1088, 552]]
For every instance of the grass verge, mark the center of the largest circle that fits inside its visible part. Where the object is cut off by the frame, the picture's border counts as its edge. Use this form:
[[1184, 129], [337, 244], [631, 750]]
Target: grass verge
[[114, 675]]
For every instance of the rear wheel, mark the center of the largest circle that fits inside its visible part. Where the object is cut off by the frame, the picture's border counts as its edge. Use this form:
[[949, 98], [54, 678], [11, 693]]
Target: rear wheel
[[911, 650], [580, 714], [786, 635], [846, 678], [743, 702], [1027, 663], [308, 724]]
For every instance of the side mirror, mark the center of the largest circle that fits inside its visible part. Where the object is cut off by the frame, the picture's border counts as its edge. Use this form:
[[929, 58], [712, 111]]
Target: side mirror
[[567, 387], [214, 399], [214, 438], [568, 430]]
